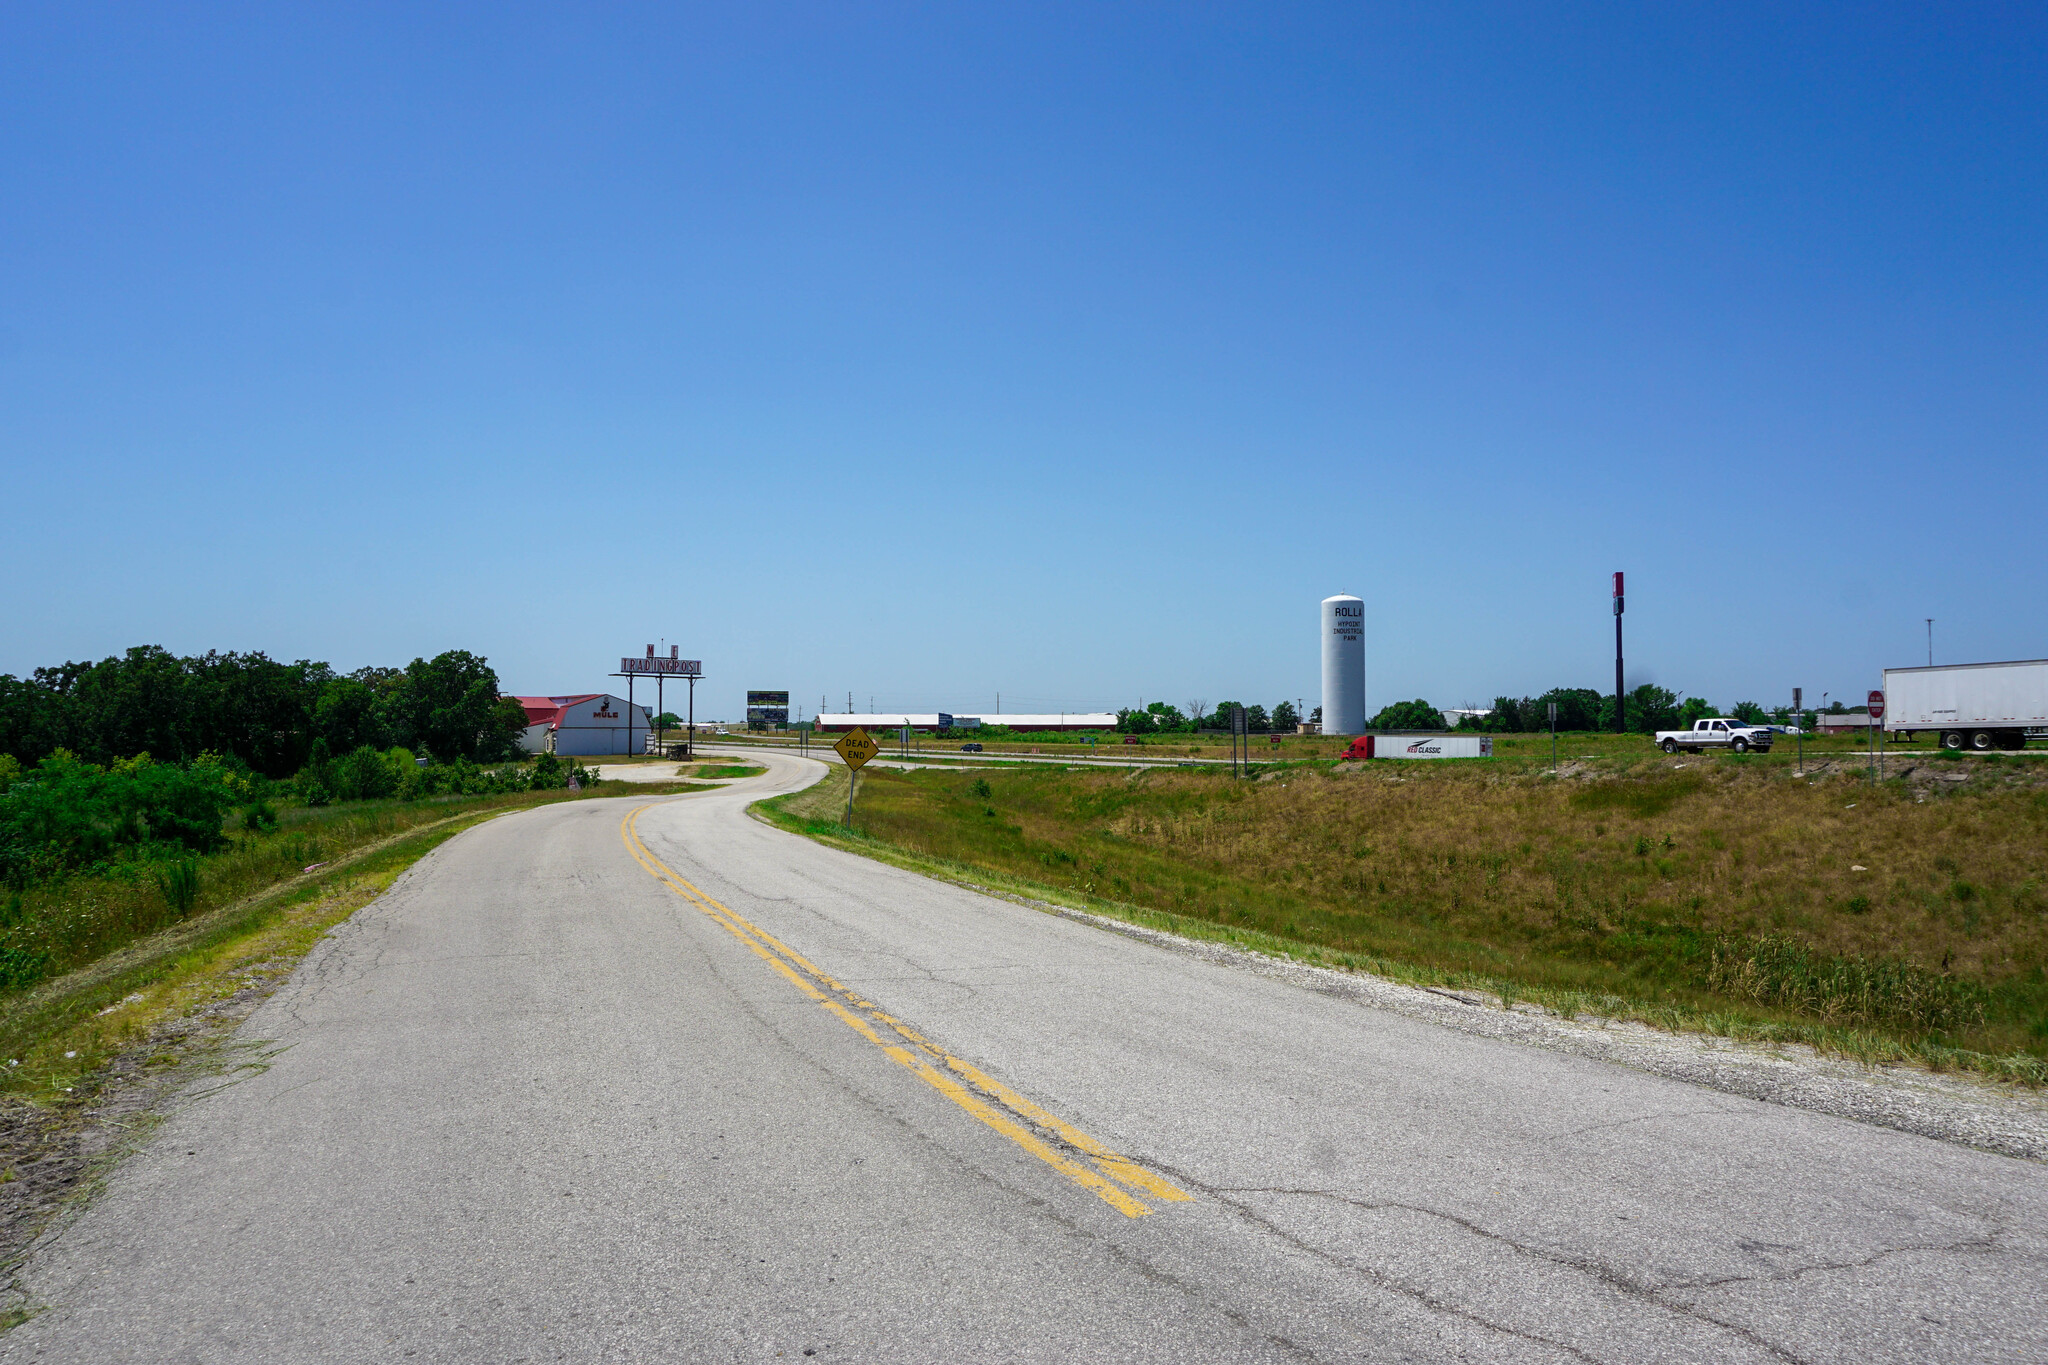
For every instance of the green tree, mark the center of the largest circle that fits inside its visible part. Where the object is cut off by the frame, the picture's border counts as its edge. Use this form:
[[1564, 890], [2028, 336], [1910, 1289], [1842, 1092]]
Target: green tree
[[1219, 719], [511, 718], [1285, 718], [35, 719], [141, 702], [1409, 715], [255, 708], [1650, 708], [1507, 717], [1750, 713], [1133, 721], [348, 715], [1578, 708], [448, 705], [1692, 709], [1166, 717]]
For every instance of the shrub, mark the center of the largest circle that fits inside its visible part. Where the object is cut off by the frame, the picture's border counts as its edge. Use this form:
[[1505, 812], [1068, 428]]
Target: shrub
[[179, 884], [363, 775], [68, 815]]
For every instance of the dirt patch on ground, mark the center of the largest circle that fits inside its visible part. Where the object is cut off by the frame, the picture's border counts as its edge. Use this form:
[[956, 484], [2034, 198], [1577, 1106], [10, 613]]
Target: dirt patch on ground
[[50, 1154]]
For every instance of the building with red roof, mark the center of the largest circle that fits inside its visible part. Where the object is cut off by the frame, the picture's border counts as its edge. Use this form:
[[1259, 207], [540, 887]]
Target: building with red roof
[[583, 724]]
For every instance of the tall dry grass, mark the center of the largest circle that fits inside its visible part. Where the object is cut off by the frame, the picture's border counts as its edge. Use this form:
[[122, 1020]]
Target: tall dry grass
[[1916, 906]]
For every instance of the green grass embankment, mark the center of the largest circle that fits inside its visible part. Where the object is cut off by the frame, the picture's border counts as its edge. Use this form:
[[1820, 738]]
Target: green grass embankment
[[1906, 920]]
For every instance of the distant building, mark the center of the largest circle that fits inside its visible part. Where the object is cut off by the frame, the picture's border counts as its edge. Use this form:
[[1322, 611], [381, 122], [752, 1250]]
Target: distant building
[[896, 720], [584, 724], [1453, 714]]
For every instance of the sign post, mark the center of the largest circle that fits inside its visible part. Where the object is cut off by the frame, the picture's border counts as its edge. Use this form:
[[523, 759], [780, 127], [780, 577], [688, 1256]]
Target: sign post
[[1875, 701], [1620, 700], [1237, 741], [856, 748], [1553, 734], [1799, 729]]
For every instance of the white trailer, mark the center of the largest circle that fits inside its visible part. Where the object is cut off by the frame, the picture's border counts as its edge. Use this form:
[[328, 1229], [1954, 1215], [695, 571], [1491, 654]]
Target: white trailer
[[1432, 746], [1970, 706]]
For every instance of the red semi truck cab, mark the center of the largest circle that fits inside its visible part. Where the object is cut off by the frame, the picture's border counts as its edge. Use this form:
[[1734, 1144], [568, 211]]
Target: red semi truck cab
[[1361, 747]]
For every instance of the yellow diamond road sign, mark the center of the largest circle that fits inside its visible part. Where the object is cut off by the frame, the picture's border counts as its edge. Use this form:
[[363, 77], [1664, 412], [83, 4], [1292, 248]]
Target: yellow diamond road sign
[[856, 748]]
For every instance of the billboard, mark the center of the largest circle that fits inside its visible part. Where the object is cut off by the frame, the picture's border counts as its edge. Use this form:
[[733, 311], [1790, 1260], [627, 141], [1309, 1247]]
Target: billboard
[[767, 708], [686, 668]]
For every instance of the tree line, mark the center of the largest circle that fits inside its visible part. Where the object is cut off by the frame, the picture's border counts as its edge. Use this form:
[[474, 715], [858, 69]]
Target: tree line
[[1650, 708], [1164, 718], [271, 717]]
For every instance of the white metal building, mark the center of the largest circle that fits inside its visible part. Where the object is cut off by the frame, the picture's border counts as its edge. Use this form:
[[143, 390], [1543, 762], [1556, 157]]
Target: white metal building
[[584, 724]]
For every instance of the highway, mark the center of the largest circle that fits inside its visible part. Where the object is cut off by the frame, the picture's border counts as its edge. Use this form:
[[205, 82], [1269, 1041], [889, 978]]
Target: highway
[[645, 1079]]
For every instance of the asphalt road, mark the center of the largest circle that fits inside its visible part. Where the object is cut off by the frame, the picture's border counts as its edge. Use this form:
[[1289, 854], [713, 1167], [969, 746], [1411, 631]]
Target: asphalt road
[[592, 1086]]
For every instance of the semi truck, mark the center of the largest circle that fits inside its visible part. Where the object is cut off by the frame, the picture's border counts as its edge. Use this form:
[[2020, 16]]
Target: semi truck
[[1969, 706]]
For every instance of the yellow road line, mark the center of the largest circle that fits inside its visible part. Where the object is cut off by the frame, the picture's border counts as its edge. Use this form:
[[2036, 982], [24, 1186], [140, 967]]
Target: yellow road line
[[863, 1015]]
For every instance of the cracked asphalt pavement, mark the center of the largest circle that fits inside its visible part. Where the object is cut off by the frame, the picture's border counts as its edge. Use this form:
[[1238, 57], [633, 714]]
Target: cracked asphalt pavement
[[589, 1086]]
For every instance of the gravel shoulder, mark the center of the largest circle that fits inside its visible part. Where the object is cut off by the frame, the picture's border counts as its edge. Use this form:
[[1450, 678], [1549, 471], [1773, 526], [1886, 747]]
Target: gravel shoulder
[[1950, 1108]]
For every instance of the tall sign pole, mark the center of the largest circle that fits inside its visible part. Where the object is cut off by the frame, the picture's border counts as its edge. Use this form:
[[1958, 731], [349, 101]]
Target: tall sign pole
[[660, 670], [1799, 728], [1620, 698]]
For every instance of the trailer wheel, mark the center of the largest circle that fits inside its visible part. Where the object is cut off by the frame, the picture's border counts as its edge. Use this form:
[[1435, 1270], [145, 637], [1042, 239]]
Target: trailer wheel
[[1983, 741], [1952, 739], [1740, 746], [1669, 746]]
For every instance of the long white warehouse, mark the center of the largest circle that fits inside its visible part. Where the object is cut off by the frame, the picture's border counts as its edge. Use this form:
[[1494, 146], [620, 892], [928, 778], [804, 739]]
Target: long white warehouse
[[896, 720]]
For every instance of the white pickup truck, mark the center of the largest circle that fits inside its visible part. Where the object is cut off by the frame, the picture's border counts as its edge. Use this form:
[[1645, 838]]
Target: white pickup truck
[[1719, 733]]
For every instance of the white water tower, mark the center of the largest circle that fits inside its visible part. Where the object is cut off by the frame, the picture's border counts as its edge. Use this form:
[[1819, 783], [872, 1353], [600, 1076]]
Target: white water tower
[[1343, 665]]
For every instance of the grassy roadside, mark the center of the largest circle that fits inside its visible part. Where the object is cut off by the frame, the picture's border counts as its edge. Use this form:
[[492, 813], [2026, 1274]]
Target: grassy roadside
[[1901, 923], [56, 1037]]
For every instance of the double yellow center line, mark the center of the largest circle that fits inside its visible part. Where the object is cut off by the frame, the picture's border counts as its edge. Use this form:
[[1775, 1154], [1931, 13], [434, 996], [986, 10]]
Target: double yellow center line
[[1060, 1145]]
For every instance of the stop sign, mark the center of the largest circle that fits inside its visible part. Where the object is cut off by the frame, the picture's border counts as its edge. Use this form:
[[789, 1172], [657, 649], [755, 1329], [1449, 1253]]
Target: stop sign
[[1875, 701]]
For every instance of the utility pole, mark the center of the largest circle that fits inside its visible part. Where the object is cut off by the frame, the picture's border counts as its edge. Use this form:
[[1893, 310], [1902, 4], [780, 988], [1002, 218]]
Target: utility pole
[[1620, 698], [1930, 641]]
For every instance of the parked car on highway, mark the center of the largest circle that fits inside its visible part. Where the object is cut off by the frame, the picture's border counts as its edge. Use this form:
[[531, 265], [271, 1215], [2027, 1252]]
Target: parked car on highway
[[970, 748], [1718, 733]]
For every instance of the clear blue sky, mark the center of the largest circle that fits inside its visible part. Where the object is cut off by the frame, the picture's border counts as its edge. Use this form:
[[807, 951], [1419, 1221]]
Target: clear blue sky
[[1076, 352]]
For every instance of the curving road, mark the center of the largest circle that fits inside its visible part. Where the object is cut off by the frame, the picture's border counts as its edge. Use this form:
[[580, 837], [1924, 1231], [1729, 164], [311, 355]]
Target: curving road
[[592, 1085]]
